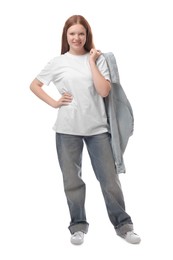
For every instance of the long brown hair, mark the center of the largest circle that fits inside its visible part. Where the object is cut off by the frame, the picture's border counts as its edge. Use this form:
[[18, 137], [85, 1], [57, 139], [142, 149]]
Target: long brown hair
[[77, 19]]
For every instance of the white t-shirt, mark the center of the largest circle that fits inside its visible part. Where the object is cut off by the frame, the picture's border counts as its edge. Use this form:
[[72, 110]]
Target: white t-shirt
[[86, 114]]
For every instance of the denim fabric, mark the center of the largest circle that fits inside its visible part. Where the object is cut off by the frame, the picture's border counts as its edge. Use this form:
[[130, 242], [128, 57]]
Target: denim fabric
[[119, 114], [69, 150]]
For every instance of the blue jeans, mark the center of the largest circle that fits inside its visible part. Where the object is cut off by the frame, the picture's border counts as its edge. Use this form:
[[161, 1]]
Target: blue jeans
[[69, 150]]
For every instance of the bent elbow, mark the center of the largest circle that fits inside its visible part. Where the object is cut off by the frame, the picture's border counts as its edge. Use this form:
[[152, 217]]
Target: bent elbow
[[31, 87], [105, 94], [35, 84]]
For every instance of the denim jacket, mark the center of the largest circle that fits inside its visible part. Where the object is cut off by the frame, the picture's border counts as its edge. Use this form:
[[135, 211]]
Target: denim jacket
[[119, 113]]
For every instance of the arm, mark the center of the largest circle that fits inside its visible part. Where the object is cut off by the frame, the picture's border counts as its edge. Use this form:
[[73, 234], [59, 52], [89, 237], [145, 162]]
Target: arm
[[101, 84], [36, 88]]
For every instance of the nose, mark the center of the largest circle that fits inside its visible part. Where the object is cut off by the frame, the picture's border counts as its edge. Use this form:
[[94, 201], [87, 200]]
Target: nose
[[76, 37]]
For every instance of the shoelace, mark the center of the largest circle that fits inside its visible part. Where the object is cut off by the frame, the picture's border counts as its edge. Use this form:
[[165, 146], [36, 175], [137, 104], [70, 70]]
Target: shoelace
[[131, 233], [78, 234]]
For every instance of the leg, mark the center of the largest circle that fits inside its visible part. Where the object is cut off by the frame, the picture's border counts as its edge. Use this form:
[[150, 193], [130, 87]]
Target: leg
[[101, 156], [69, 150]]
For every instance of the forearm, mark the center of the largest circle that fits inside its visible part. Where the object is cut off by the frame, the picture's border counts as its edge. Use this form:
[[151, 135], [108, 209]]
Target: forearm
[[36, 88], [101, 84]]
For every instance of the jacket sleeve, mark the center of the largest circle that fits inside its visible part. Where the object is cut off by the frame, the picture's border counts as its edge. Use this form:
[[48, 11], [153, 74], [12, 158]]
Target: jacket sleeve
[[120, 115]]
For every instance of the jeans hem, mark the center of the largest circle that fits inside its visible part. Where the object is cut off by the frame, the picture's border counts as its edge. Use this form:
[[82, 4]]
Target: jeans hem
[[79, 227], [123, 229]]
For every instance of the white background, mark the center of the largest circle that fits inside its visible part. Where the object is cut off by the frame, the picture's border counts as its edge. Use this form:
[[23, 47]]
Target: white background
[[33, 210]]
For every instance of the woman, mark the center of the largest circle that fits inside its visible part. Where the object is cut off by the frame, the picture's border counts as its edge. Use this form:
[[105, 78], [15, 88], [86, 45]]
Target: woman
[[82, 77]]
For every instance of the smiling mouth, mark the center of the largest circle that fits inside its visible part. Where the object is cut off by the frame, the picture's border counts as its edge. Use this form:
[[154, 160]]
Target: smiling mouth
[[76, 43]]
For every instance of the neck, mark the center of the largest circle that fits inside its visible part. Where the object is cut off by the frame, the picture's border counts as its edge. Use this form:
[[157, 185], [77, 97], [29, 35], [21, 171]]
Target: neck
[[80, 52]]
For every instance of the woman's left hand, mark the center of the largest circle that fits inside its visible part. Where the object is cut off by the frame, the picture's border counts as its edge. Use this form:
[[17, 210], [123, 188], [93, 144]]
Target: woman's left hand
[[94, 54]]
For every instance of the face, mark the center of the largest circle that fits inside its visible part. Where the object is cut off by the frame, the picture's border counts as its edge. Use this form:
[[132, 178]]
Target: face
[[76, 38]]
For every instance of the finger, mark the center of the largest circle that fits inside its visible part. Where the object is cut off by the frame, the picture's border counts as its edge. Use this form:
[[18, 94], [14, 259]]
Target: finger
[[67, 97], [92, 51], [67, 100]]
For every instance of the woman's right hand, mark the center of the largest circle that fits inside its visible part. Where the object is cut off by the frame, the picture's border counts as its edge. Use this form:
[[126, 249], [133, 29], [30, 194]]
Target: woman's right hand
[[65, 100]]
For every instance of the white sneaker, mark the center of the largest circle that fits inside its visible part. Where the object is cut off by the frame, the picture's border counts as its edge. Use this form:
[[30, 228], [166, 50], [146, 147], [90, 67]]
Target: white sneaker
[[77, 238], [132, 237]]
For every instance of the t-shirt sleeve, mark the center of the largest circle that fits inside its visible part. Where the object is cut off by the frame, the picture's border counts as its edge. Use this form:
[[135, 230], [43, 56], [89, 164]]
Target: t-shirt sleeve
[[103, 67], [46, 74]]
